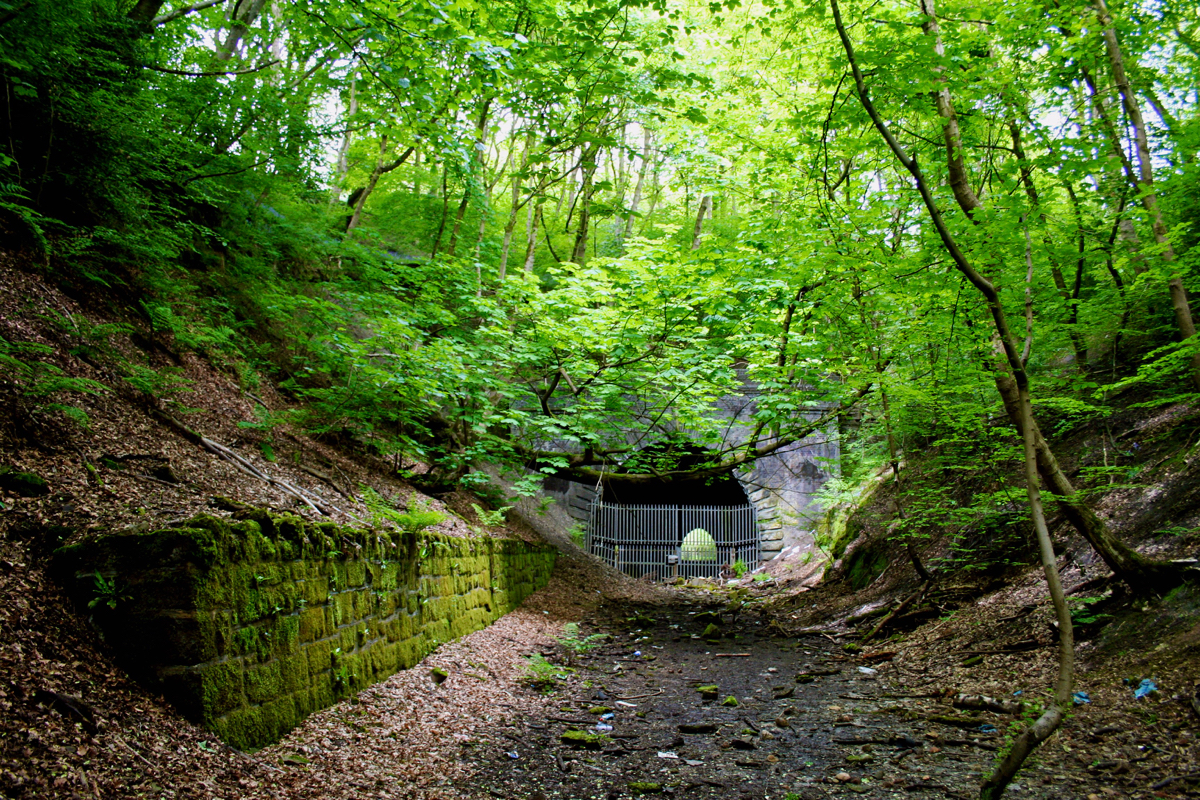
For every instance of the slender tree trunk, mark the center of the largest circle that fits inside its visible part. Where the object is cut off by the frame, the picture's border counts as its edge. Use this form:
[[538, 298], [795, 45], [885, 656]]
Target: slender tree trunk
[[514, 209], [342, 164], [363, 193], [568, 197], [1069, 298], [588, 169], [698, 228], [359, 198], [437, 239], [535, 216], [655, 195], [478, 165], [637, 188], [1045, 725]]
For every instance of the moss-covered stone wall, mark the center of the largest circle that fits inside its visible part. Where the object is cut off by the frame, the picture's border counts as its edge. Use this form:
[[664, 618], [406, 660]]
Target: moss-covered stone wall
[[250, 625]]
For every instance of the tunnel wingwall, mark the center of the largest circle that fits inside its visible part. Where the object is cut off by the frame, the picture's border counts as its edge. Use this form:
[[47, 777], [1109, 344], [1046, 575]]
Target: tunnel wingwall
[[249, 625]]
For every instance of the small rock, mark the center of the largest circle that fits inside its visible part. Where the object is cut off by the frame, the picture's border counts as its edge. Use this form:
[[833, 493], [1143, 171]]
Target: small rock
[[742, 744], [842, 777], [698, 727], [846, 718], [438, 674], [766, 736], [782, 722]]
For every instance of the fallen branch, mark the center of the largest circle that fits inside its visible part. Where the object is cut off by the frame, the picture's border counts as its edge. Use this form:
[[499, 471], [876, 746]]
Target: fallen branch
[[639, 696], [985, 703], [1019, 647], [223, 452], [1168, 781], [731, 655], [968, 743], [915, 597]]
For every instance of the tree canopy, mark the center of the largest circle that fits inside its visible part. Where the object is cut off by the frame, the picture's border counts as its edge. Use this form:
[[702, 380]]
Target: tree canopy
[[553, 233]]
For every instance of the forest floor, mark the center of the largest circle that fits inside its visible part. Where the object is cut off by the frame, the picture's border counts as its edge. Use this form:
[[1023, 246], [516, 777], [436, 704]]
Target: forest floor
[[814, 716]]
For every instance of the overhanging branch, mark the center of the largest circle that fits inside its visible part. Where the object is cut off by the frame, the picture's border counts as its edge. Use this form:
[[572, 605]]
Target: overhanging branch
[[582, 465]]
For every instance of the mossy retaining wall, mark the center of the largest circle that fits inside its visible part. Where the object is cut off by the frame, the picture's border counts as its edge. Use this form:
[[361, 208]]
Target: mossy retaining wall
[[250, 625]]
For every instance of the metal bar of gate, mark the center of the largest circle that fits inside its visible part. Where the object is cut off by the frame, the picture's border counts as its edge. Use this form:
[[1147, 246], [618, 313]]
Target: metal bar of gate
[[638, 540]]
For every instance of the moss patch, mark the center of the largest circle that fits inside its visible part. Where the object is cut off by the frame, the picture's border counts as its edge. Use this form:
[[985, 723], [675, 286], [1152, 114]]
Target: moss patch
[[251, 623]]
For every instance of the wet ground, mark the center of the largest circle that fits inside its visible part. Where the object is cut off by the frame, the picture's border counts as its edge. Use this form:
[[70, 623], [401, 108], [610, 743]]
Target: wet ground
[[690, 702]]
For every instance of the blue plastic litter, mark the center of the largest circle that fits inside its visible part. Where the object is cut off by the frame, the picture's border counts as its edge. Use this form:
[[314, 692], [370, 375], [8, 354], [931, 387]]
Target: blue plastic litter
[[987, 728], [1018, 692], [513, 755], [600, 726], [1079, 698], [609, 715], [637, 653], [1144, 689]]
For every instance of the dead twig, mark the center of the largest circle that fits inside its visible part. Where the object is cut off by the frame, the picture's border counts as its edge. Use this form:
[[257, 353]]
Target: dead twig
[[915, 597]]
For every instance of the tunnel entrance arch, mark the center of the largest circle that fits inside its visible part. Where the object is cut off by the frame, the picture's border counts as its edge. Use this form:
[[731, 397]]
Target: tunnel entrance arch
[[662, 530]]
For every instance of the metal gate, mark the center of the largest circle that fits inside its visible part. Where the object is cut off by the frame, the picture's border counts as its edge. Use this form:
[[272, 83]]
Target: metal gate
[[664, 542]]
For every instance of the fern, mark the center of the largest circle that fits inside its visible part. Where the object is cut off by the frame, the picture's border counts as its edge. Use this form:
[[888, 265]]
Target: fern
[[413, 520]]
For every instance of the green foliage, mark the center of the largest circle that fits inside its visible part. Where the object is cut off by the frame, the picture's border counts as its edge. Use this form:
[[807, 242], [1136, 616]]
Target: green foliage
[[384, 513], [739, 568], [1082, 612], [576, 645], [491, 518], [543, 676], [160, 383], [106, 593], [578, 534], [39, 385]]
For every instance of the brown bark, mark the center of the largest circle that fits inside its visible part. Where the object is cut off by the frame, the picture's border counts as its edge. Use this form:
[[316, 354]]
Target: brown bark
[[1126, 563], [511, 225]]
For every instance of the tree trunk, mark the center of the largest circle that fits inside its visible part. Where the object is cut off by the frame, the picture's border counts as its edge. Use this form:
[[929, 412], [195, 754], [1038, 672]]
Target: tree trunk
[[342, 165], [587, 167], [637, 188], [1025, 743], [535, 216], [514, 208], [1126, 563], [359, 198], [698, 228], [478, 166], [241, 17]]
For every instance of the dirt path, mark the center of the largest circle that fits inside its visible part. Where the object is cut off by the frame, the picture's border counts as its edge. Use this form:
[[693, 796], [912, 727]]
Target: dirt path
[[807, 722]]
